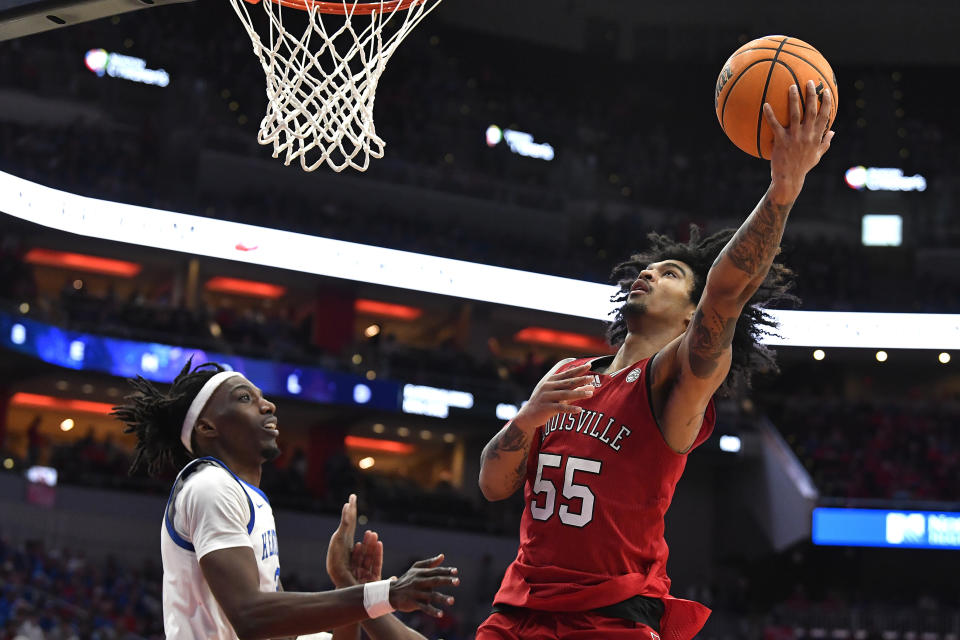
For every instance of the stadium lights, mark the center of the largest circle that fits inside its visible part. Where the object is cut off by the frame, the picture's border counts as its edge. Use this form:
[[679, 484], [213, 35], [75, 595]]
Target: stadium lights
[[117, 65], [819, 354], [730, 444], [434, 402], [376, 444], [387, 309], [881, 356], [251, 288], [519, 142], [278, 249], [881, 230], [507, 411], [36, 400], [67, 424], [944, 357], [877, 179], [82, 262], [543, 335]]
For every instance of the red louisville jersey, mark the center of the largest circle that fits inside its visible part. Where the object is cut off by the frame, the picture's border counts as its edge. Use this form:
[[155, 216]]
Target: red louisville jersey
[[597, 488]]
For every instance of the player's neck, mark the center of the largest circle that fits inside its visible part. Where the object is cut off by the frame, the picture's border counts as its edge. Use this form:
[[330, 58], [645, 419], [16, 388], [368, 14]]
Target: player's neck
[[640, 345], [246, 471]]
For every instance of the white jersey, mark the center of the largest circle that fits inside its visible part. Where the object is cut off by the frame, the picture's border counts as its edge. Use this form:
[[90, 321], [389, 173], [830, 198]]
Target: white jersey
[[210, 508]]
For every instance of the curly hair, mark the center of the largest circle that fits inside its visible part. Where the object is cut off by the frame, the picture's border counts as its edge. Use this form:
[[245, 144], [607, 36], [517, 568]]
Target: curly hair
[[157, 418], [749, 354]]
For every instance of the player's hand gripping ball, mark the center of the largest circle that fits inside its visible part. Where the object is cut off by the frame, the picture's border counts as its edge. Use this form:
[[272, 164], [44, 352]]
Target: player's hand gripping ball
[[762, 71]]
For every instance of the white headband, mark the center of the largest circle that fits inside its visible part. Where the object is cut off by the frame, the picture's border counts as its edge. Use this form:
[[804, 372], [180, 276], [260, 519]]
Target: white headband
[[200, 402]]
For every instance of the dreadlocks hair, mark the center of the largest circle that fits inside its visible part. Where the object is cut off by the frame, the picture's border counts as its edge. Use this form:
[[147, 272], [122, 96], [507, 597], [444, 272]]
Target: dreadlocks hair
[[749, 355], [157, 418]]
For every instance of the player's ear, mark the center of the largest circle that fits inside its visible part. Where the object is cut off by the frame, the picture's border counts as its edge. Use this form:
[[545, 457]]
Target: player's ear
[[205, 429]]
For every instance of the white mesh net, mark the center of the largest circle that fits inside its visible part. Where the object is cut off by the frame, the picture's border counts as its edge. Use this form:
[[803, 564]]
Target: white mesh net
[[321, 84]]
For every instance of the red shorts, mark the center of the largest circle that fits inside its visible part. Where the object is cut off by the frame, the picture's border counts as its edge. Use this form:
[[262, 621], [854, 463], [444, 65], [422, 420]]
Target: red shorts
[[549, 625]]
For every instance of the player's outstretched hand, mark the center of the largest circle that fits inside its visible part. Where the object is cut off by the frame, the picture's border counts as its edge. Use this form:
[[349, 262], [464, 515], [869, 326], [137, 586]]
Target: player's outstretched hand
[[798, 148], [553, 395], [341, 546], [349, 562], [366, 562], [417, 588]]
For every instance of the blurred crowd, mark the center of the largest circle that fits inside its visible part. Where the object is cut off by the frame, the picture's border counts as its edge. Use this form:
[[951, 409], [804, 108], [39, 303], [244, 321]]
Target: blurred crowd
[[898, 448], [61, 594], [619, 152], [104, 462]]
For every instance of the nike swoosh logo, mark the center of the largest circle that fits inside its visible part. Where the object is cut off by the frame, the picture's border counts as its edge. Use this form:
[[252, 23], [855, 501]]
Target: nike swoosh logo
[[246, 247]]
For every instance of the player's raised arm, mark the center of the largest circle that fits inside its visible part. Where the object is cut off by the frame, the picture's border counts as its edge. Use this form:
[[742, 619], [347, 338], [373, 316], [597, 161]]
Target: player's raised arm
[[504, 459], [234, 581], [698, 364]]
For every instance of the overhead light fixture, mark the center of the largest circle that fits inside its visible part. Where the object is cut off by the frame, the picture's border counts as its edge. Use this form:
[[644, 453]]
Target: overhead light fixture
[[552, 337], [386, 309], [543, 293], [65, 404], [82, 262], [819, 354], [367, 463], [730, 444], [252, 288], [376, 444]]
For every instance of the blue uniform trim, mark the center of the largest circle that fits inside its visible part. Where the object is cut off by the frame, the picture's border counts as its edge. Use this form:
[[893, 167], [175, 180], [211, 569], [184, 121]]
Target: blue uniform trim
[[193, 466], [256, 489]]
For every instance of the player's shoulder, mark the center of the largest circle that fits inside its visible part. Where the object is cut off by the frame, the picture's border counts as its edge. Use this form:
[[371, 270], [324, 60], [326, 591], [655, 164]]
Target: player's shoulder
[[209, 481]]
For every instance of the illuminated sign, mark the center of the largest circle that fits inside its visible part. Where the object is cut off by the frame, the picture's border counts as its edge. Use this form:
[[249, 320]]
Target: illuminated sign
[[507, 411], [886, 528], [875, 179], [46, 476], [117, 65], [160, 362], [730, 444], [519, 142], [882, 230], [145, 227], [431, 401]]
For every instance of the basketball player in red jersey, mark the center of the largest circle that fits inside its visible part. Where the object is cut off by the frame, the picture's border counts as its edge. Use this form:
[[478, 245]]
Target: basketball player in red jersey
[[603, 441]]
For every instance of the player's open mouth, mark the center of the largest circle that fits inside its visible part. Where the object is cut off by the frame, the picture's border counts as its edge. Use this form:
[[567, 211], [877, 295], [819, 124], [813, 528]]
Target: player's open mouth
[[640, 286]]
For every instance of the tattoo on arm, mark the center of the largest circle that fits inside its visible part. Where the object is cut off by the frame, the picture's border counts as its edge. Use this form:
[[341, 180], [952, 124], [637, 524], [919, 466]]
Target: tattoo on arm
[[756, 243], [711, 334], [511, 439]]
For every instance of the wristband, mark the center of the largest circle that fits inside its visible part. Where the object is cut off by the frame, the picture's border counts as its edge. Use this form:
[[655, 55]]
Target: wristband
[[376, 598]]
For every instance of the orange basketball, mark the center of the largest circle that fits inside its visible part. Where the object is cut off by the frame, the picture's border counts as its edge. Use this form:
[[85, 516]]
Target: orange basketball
[[762, 71]]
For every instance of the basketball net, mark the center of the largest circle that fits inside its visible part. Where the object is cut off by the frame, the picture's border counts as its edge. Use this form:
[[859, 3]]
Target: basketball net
[[321, 84]]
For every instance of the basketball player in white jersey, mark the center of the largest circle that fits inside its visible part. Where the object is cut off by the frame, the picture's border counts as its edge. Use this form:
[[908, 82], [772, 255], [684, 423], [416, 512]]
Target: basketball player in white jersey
[[219, 541]]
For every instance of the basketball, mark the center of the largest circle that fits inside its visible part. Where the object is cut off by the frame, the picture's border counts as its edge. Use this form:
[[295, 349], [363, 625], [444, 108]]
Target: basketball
[[762, 71]]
